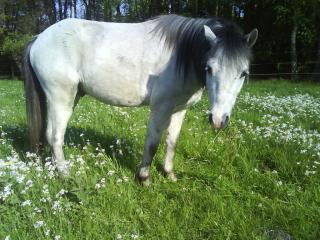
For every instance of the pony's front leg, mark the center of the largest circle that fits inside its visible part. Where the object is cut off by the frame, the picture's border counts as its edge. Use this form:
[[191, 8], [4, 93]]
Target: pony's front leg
[[172, 137], [158, 122]]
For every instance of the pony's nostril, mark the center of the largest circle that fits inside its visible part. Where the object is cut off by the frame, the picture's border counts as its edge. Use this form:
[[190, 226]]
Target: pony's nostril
[[225, 121], [210, 118]]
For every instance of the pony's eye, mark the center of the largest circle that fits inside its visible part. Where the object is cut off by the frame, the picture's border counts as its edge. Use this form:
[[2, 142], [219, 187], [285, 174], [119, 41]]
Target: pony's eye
[[244, 74], [208, 69]]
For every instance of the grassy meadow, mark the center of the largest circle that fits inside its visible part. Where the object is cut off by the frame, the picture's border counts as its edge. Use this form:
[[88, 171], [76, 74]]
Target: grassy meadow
[[257, 179]]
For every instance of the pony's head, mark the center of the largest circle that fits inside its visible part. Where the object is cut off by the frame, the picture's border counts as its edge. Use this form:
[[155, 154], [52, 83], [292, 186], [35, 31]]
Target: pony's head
[[217, 51], [227, 66]]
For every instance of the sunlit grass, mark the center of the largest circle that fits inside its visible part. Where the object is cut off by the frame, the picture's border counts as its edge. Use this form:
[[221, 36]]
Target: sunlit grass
[[258, 178]]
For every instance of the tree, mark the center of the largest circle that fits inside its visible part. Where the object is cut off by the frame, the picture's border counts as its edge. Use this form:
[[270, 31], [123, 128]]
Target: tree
[[13, 46], [292, 33], [75, 8], [19, 21], [295, 14], [60, 9]]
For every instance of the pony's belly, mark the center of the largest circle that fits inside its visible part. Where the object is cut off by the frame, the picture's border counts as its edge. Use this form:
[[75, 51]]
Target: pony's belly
[[117, 95]]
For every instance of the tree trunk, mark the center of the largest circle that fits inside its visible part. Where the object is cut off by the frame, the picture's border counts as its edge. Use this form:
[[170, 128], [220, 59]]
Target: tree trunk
[[2, 13], [70, 7], [88, 9], [107, 10], [54, 11], [155, 7], [12, 69], [232, 10], [196, 8], [118, 15], [294, 69], [15, 14], [171, 7], [60, 10], [65, 9], [217, 9], [181, 5], [94, 10], [316, 71], [75, 8], [135, 10]]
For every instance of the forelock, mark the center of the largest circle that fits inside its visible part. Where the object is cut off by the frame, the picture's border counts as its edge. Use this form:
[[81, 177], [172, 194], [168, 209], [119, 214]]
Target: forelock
[[186, 37]]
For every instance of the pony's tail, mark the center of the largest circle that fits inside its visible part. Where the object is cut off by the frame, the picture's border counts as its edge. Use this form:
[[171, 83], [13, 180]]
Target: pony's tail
[[35, 103]]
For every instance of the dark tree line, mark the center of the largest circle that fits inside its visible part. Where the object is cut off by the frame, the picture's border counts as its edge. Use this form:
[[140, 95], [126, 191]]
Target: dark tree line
[[289, 30]]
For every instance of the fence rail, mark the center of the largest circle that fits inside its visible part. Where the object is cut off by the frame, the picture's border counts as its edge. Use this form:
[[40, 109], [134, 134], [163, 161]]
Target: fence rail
[[305, 70], [266, 74], [308, 70]]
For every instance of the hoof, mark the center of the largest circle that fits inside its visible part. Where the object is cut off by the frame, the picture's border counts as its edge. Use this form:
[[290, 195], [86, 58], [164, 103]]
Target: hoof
[[172, 176], [144, 180], [63, 171], [143, 176]]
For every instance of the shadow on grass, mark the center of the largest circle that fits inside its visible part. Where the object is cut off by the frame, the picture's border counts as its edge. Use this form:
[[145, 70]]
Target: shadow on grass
[[17, 135], [104, 140]]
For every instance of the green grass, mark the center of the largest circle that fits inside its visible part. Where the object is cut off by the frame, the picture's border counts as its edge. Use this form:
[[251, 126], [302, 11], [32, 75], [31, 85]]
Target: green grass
[[241, 183]]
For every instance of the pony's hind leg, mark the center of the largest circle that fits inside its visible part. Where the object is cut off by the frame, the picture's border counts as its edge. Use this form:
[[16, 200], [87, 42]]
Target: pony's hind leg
[[60, 109], [172, 137]]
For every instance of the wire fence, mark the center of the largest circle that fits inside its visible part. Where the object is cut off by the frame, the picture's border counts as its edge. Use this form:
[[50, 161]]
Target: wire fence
[[309, 70]]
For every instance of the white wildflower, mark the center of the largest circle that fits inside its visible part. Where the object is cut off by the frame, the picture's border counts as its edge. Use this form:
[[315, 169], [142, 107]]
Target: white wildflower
[[36, 210], [56, 207], [126, 179], [134, 236], [38, 224], [47, 232], [26, 203], [7, 191], [45, 189], [61, 193], [20, 178], [119, 180], [307, 172], [29, 183]]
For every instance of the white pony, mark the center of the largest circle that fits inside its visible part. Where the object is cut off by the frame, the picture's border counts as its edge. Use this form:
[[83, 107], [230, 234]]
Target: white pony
[[164, 63]]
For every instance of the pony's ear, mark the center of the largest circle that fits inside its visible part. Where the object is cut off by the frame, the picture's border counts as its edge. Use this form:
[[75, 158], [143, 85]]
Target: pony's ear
[[251, 37], [210, 36]]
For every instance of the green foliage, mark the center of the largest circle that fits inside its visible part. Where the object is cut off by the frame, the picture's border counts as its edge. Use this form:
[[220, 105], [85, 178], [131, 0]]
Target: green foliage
[[274, 20], [14, 44], [300, 12]]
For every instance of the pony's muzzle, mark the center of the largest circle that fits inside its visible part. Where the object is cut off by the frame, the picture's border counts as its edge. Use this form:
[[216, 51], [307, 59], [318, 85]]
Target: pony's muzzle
[[218, 123]]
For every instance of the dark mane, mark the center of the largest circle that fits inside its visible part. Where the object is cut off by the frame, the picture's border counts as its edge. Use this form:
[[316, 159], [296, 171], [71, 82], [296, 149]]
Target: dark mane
[[186, 37]]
